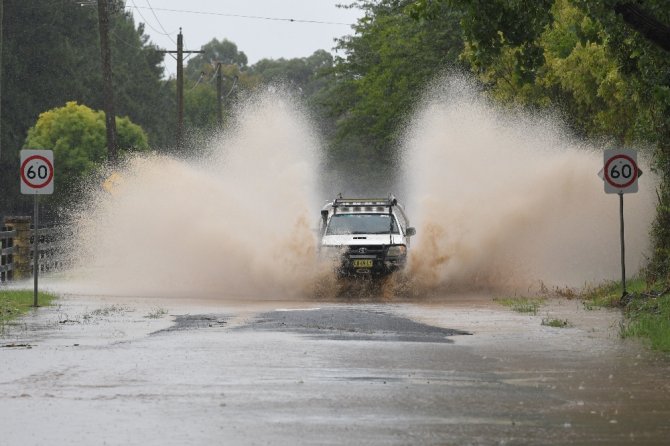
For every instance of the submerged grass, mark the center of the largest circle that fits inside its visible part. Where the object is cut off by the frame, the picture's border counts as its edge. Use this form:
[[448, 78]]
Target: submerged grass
[[156, 313], [556, 323], [522, 304], [14, 303]]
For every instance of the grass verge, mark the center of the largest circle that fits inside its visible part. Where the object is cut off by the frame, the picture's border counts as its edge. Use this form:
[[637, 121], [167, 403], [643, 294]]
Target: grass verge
[[14, 303], [646, 309], [649, 318], [608, 294]]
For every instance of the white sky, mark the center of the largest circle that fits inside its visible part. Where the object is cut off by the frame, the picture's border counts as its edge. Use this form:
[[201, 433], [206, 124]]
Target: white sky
[[257, 38]]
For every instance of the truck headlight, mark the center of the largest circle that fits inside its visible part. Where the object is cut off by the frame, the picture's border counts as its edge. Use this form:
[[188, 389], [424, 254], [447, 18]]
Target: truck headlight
[[396, 251]]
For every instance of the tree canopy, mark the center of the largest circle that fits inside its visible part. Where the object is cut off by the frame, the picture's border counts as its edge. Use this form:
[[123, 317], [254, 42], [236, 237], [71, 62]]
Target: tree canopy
[[603, 64], [77, 136], [215, 51], [385, 68], [51, 55]]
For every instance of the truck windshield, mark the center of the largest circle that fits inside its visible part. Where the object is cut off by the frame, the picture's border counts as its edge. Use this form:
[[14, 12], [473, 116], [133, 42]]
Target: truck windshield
[[341, 224]]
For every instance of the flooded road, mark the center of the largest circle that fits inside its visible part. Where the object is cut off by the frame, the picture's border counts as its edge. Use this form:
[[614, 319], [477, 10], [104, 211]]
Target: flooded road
[[461, 370]]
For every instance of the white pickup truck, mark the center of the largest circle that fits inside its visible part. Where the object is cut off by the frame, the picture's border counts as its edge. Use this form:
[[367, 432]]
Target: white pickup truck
[[365, 236]]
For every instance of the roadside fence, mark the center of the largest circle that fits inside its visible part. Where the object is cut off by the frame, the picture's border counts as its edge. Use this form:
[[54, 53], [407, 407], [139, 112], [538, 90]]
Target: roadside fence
[[17, 252]]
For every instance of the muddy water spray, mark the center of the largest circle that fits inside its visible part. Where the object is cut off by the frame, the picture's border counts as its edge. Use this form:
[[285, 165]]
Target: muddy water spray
[[237, 222], [507, 200]]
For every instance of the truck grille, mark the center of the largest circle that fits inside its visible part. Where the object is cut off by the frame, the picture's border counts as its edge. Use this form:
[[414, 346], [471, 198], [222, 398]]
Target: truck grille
[[366, 251]]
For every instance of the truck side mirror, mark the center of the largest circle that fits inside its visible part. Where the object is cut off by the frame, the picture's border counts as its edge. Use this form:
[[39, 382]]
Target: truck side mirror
[[410, 232]]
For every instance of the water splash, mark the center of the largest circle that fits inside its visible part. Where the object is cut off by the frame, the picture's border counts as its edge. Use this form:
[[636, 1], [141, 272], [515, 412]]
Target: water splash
[[504, 199], [500, 200], [234, 222]]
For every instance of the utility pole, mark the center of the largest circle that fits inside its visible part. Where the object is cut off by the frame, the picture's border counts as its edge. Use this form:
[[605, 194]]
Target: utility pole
[[180, 85], [219, 94], [180, 89], [108, 91], [2, 5]]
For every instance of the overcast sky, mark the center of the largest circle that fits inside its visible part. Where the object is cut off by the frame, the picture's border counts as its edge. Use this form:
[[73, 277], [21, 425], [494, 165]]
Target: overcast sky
[[258, 38]]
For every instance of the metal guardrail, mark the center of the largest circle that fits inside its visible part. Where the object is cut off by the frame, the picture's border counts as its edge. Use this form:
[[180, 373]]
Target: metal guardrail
[[17, 251]]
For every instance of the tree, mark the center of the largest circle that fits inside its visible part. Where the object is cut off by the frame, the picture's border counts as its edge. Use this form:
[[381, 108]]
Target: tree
[[51, 56], [603, 63], [305, 74], [76, 134], [215, 51], [385, 69]]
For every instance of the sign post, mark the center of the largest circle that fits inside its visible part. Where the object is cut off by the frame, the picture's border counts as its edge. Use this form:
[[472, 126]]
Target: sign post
[[620, 174], [37, 178]]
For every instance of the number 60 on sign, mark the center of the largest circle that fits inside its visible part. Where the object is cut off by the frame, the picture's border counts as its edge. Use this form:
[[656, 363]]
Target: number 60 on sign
[[37, 172], [620, 172]]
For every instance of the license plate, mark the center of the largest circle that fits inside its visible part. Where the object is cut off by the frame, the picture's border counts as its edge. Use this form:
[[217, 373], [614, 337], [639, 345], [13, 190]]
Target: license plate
[[362, 263]]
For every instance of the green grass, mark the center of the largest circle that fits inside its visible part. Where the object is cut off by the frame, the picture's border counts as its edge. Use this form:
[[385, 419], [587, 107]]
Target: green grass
[[556, 323], [649, 318], [14, 303], [608, 294], [521, 304], [646, 309]]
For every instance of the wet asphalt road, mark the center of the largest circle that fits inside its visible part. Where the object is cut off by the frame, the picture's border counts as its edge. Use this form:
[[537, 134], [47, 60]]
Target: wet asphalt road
[[104, 371]]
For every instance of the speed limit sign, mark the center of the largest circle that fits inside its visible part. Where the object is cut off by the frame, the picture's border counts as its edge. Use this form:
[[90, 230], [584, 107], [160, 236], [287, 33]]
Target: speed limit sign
[[37, 172], [620, 171]]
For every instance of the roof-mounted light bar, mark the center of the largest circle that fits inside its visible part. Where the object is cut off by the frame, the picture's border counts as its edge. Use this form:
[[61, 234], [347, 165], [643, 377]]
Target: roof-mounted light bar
[[357, 202]]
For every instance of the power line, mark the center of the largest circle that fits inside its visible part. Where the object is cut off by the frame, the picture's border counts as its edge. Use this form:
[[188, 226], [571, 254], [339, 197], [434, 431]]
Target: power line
[[222, 14], [159, 22], [119, 39], [147, 22]]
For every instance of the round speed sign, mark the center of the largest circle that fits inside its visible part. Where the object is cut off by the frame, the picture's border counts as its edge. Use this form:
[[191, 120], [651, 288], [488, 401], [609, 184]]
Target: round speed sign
[[621, 171], [37, 171]]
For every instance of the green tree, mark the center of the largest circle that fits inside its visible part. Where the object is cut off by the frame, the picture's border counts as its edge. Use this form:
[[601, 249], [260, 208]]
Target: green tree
[[215, 51], [305, 74], [385, 69], [200, 101], [603, 63], [77, 136], [51, 55], [638, 36]]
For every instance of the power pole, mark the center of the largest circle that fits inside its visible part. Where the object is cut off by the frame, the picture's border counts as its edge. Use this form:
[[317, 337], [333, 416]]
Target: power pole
[[2, 5], [180, 89], [108, 91], [180, 85], [219, 94]]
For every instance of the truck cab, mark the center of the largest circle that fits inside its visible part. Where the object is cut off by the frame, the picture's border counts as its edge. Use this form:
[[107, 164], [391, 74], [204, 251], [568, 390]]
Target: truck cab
[[365, 236]]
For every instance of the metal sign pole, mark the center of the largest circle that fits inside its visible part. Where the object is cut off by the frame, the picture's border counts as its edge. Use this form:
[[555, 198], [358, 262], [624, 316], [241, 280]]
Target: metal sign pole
[[37, 178], [36, 248], [623, 247], [620, 175]]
